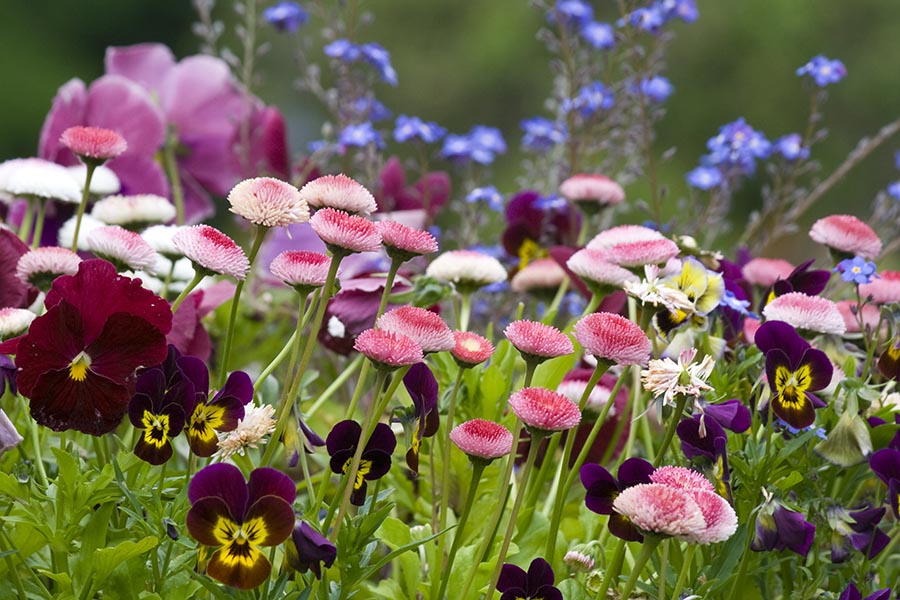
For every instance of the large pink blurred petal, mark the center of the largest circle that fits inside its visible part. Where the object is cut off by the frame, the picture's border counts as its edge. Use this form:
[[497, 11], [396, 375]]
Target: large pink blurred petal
[[117, 103], [146, 64], [268, 145], [198, 205], [140, 174], [188, 334], [199, 96], [68, 109], [210, 160], [13, 292]]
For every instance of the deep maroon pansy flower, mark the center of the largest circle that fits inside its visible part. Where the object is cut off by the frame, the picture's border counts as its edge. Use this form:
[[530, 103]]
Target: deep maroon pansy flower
[[537, 584], [13, 292], [794, 370], [783, 529], [801, 279], [427, 195], [205, 415], [423, 419], [238, 519], [535, 224], [851, 592], [75, 359], [309, 550], [7, 375], [857, 530], [376, 457], [602, 489], [886, 465], [704, 440]]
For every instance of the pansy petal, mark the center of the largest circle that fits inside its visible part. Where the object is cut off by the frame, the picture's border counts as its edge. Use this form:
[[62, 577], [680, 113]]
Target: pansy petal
[[548, 592], [125, 107], [820, 369], [778, 334], [379, 463], [343, 436], [126, 343], [886, 464], [382, 439], [270, 482], [795, 409], [237, 386], [539, 574], [512, 578], [94, 405], [153, 446], [220, 480], [622, 527], [136, 407], [196, 371], [147, 64], [731, 414], [203, 422], [239, 565], [53, 341], [634, 471], [67, 110], [269, 521], [210, 521], [140, 174], [601, 488], [794, 531]]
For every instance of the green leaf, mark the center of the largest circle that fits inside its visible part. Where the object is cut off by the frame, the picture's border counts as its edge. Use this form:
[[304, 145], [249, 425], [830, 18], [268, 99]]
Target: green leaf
[[572, 589], [394, 533], [107, 559], [10, 486], [788, 482]]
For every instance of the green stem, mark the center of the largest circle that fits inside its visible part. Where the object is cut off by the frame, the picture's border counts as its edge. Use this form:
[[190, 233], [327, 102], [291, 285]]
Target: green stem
[[624, 419], [445, 466], [360, 388], [612, 569], [170, 166], [340, 380], [41, 210], [663, 563], [388, 286], [199, 274], [11, 568], [553, 309], [465, 310], [85, 194], [670, 429], [685, 569], [477, 469], [168, 280], [27, 220], [647, 550], [736, 589], [302, 319]]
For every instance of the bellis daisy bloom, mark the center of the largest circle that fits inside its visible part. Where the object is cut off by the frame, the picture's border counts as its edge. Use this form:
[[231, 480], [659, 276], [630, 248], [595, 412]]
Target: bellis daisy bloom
[[34, 177], [268, 202], [812, 313], [544, 410], [39, 267], [339, 192], [846, 234], [613, 338], [258, 422], [578, 561], [67, 232], [623, 234], [375, 461], [597, 189], [160, 239], [424, 327], [134, 212], [104, 181], [125, 249], [541, 275], [871, 314], [301, 270], [345, 233], [602, 489], [238, 519], [388, 350], [470, 349], [766, 271], [638, 254], [402, 243], [93, 144], [538, 342], [666, 378], [591, 265], [13, 322], [884, 290], [480, 439], [212, 251], [467, 269]]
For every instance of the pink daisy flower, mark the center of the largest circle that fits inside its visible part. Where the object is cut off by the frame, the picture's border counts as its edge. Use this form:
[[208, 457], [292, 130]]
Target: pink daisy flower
[[766, 271], [597, 189], [422, 326], [544, 410], [93, 144], [39, 267], [847, 234], [623, 234], [812, 313], [482, 439], [300, 269], [538, 342], [884, 290], [661, 509], [470, 349], [13, 322], [750, 327], [403, 242], [721, 520], [871, 314], [613, 338], [467, 269], [125, 249], [645, 252], [340, 192], [268, 202], [212, 251], [592, 266], [343, 232], [541, 274], [134, 212], [681, 477], [388, 350]]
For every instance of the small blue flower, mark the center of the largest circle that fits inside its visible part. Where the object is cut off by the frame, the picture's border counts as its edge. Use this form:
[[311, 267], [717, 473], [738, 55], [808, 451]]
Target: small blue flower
[[897, 159], [893, 190], [285, 16], [371, 109], [686, 10], [591, 98], [823, 71], [487, 194], [481, 145], [732, 302], [457, 147], [343, 50], [435, 231], [738, 145], [598, 35], [856, 270], [360, 135], [376, 55], [649, 19], [542, 134], [704, 178], [656, 88], [409, 128], [571, 11], [316, 146], [488, 138], [789, 146], [552, 202], [574, 304]]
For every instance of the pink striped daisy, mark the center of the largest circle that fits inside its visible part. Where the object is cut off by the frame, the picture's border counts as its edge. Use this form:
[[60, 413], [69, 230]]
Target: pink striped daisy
[[622, 234], [470, 349], [846, 234], [340, 192], [812, 313], [422, 326], [640, 253], [883, 290], [482, 439], [93, 144], [544, 410], [268, 202], [538, 342], [211, 251], [613, 338], [592, 266], [300, 269], [388, 350], [597, 190], [345, 233], [543, 274], [125, 249], [39, 267], [402, 242]]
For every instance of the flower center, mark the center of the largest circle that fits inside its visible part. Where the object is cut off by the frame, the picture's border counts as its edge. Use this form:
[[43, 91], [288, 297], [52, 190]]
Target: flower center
[[79, 366]]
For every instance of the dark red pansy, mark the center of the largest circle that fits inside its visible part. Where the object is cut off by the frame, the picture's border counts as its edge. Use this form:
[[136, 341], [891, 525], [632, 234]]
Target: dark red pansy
[[376, 457], [602, 488], [886, 465], [238, 519], [12, 291]]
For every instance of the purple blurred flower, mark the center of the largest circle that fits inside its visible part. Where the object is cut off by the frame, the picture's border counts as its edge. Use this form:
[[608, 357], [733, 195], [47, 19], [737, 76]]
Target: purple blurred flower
[[487, 194], [599, 35], [893, 190], [783, 529], [857, 530], [360, 136], [590, 99], [285, 16], [482, 144], [370, 109], [686, 10], [428, 194], [377, 56], [342, 49], [411, 128], [649, 19], [886, 465], [575, 12], [823, 71], [704, 178], [13, 293], [790, 147], [542, 134], [851, 592], [655, 88]]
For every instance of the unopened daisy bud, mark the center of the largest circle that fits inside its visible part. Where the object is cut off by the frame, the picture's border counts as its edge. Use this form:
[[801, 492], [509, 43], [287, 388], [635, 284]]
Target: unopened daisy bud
[[591, 192], [212, 251], [93, 145], [470, 349], [67, 232], [340, 192], [467, 270], [268, 202], [578, 561], [622, 234], [104, 181], [258, 422], [344, 233], [39, 267], [482, 440], [13, 322], [847, 235], [597, 272], [422, 326], [544, 411], [160, 239], [613, 338], [542, 275], [125, 249], [812, 313], [134, 212], [403, 243], [302, 270], [388, 350], [538, 342]]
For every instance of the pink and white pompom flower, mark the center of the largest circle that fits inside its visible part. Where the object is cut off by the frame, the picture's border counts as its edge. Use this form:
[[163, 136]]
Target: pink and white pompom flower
[[403, 242], [470, 349], [301, 269], [480, 439], [812, 313], [122, 247], [268, 202], [93, 144], [585, 188], [39, 267], [345, 233], [538, 342], [544, 410], [213, 251], [424, 327], [467, 269], [613, 338], [388, 350], [339, 192], [847, 234]]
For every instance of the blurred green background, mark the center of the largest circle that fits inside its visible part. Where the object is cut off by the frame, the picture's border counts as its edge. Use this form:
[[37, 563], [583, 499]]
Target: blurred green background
[[478, 61]]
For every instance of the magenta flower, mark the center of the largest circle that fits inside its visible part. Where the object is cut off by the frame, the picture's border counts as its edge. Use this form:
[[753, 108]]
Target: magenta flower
[[543, 410], [426, 196], [13, 291], [403, 243], [424, 327], [613, 339], [212, 251], [482, 440], [94, 145], [470, 349], [388, 350], [538, 342], [344, 233]]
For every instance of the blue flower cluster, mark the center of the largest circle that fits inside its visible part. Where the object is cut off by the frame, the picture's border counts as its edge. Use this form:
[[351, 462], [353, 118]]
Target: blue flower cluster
[[372, 53], [412, 128], [542, 134], [856, 270], [285, 16], [734, 150], [579, 15], [590, 99], [489, 195], [482, 145], [823, 71], [360, 135], [651, 18], [656, 88]]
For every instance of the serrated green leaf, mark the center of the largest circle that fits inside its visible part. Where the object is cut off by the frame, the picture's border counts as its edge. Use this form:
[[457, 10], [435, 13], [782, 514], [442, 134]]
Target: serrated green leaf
[[107, 559]]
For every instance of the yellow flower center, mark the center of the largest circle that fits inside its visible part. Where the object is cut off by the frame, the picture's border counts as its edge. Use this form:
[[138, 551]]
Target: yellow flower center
[[156, 429], [364, 467], [205, 420], [792, 385], [79, 366]]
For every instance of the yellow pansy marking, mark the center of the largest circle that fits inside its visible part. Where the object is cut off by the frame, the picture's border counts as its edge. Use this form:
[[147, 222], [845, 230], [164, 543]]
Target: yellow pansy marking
[[364, 467], [205, 420], [530, 250], [156, 428], [792, 385], [79, 366], [240, 541]]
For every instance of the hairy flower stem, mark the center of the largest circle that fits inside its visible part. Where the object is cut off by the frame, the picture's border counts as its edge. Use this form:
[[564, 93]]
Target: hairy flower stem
[[465, 310], [235, 303], [335, 385], [477, 469], [41, 210], [27, 220], [85, 194], [199, 274], [168, 280], [647, 550], [445, 464], [670, 429], [293, 343], [170, 166], [688, 558], [553, 310], [536, 438]]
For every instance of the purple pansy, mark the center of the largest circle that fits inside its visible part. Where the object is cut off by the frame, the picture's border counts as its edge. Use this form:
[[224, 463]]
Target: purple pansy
[[857, 530], [602, 488], [422, 387], [537, 584], [801, 279], [783, 529], [309, 550], [851, 592], [886, 465], [376, 456]]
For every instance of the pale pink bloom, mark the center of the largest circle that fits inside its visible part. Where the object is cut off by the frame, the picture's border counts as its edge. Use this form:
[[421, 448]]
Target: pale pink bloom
[[652, 290], [67, 231], [847, 234], [812, 313], [25, 177], [545, 410], [884, 290], [211, 250], [301, 269], [578, 561], [750, 327], [592, 266], [122, 247], [681, 477], [404, 242], [766, 271], [645, 252], [613, 338], [422, 326], [721, 520], [387, 349], [140, 209], [467, 269], [268, 202], [661, 509], [623, 234], [664, 377], [93, 144], [340, 192], [540, 274], [573, 389], [470, 349], [536, 341], [870, 314], [598, 188], [39, 267], [13, 322], [160, 239], [346, 232], [482, 439]]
